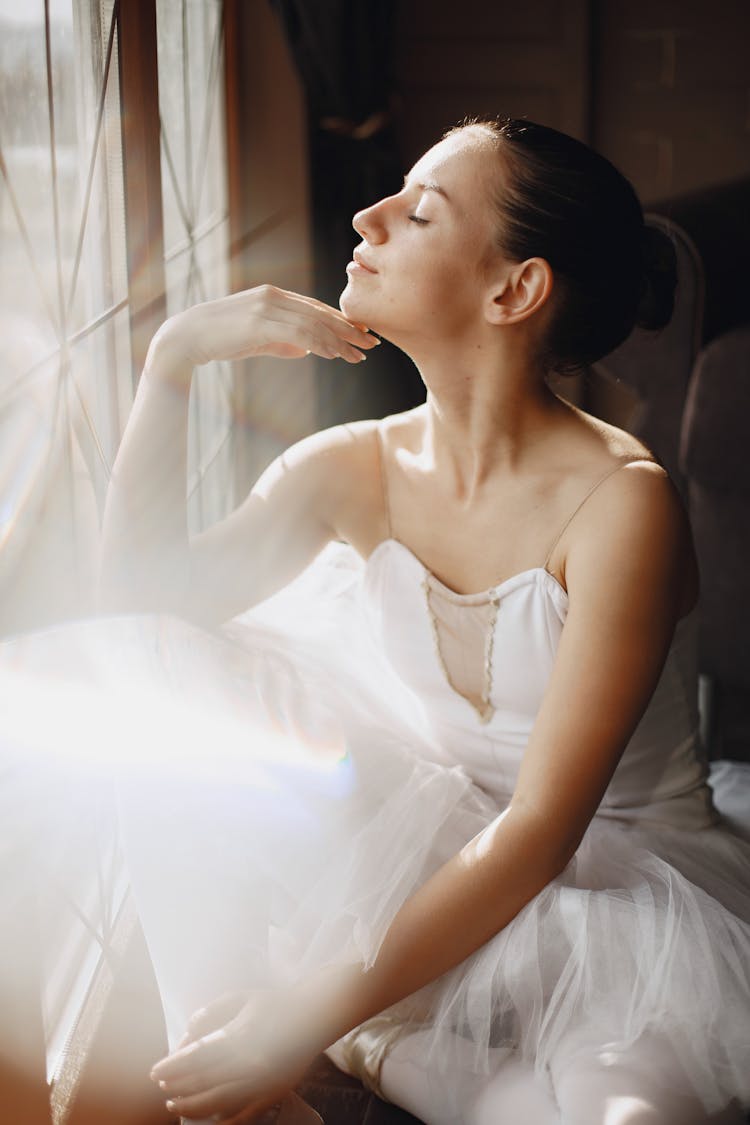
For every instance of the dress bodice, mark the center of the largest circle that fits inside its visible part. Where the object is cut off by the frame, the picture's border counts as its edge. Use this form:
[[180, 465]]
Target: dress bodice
[[661, 775]]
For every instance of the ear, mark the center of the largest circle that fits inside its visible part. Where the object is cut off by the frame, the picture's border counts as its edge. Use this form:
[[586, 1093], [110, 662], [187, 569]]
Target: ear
[[522, 290]]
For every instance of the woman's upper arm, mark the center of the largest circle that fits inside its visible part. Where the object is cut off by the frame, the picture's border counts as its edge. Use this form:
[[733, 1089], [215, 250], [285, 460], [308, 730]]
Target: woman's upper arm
[[287, 518], [624, 574]]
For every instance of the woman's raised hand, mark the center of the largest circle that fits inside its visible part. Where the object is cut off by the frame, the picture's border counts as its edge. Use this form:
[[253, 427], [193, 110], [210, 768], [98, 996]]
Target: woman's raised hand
[[266, 320], [148, 559]]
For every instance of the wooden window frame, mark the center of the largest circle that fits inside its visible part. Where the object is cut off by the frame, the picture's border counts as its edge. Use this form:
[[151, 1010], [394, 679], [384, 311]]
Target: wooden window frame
[[144, 230]]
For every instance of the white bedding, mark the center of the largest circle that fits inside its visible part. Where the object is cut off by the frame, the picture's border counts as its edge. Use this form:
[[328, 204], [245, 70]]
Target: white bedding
[[731, 785]]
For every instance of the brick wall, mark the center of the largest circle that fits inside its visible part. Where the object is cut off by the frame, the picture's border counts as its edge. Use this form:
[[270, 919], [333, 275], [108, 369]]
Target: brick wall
[[661, 87], [671, 92]]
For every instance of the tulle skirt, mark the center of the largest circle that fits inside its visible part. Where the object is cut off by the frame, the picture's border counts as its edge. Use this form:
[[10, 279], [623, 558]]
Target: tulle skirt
[[279, 801]]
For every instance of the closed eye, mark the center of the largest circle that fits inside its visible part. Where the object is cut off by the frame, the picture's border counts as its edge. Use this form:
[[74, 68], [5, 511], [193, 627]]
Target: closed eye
[[417, 219]]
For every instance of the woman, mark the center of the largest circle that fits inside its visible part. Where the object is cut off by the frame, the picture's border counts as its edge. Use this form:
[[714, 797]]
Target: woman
[[522, 903]]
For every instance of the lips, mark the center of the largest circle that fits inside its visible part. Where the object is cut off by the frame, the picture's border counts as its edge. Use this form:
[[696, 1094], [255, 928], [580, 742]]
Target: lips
[[357, 257]]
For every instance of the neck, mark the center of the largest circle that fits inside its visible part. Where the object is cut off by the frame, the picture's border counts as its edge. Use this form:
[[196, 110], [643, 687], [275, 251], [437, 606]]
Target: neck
[[486, 416]]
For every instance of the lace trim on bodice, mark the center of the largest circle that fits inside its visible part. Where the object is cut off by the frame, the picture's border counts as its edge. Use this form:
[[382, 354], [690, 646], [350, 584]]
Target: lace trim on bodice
[[464, 625]]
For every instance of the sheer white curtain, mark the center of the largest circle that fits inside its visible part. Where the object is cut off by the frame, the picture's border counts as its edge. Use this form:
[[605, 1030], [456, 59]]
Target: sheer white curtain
[[66, 389], [64, 378], [196, 227]]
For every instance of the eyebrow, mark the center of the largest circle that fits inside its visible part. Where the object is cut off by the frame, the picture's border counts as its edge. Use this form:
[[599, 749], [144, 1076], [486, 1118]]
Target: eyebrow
[[430, 185]]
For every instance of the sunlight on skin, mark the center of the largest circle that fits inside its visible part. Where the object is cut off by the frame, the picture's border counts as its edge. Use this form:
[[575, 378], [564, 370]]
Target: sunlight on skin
[[622, 1110], [482, 846]]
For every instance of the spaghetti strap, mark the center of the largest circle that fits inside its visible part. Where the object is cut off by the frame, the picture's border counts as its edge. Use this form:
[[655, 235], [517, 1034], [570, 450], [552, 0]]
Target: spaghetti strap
[[383, 480], [595, 485]]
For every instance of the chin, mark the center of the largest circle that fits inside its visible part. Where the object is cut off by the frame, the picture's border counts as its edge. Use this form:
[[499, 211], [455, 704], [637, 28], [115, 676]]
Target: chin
[[360, 311], [350, 307]]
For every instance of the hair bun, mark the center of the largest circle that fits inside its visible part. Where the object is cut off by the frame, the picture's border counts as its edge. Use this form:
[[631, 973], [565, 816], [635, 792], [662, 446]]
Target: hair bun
[[656, 303]]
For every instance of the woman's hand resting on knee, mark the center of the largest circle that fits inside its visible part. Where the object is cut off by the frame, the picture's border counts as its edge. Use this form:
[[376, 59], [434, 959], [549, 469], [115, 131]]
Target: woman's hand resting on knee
[[241, 1054]]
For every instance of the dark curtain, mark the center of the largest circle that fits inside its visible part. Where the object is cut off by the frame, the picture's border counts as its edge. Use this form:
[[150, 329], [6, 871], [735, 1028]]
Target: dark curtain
[[344, 52]]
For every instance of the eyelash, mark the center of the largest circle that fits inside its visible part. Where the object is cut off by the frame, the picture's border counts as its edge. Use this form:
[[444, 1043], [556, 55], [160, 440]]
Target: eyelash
[[416, 219]]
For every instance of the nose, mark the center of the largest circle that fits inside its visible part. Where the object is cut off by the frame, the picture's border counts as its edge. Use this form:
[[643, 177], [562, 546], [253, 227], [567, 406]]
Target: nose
[[369, 222]]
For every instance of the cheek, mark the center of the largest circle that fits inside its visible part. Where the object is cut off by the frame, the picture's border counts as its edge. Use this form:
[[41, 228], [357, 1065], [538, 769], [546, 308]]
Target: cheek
[[446, 295], [435, 295]]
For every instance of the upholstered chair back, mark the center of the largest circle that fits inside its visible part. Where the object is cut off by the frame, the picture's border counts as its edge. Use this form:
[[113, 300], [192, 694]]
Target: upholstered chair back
[[715, 461], [657, 365]]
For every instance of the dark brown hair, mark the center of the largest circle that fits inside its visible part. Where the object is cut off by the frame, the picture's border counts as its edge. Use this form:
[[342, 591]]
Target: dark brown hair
[[562, 201]]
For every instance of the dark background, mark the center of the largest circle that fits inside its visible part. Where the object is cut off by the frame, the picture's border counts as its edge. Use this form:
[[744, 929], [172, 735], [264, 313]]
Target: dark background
[[660, 87]]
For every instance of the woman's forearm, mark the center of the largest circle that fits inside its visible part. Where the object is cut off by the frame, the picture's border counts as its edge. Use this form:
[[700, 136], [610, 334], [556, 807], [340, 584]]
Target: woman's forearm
[[260, 1052], [146, 562], [145, 548], [464, 904]]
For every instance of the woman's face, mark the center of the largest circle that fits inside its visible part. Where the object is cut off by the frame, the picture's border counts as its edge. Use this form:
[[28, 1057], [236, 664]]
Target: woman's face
[[420, 270]]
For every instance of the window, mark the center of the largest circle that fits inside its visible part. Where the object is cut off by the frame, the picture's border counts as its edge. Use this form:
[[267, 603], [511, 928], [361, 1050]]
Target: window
[[65, 389], [63, 288], [116, 155], [81, 289], [196, 225]]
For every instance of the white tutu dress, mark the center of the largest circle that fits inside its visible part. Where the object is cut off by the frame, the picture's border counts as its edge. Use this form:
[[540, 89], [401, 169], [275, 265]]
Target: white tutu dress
[[287, 782]]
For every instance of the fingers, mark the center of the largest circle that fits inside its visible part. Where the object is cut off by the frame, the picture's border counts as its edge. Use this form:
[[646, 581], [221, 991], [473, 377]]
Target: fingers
[[340, 340], [265, 320], [234, 1101], [223, 1102], [348, 343], [323, 307], [288, 351], [294, 335], [217, 1013], [196, 1065], [325, 331], [356, 334], [213, 1016]]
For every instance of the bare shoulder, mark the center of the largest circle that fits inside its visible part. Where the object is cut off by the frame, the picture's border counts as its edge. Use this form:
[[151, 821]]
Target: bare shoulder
[[356, 448], [339, 472], [329, 469], [633, 517], [635, 507], [638, 480], [640, 493], [339, 441], [605, 439], [403, 430], [353, 442], [635, 524], [625, 477]]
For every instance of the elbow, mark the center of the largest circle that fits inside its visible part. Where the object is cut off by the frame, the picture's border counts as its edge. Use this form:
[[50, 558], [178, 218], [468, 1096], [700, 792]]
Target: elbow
[[552, 844], [562, 843], [563, 855], [555, 857]]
